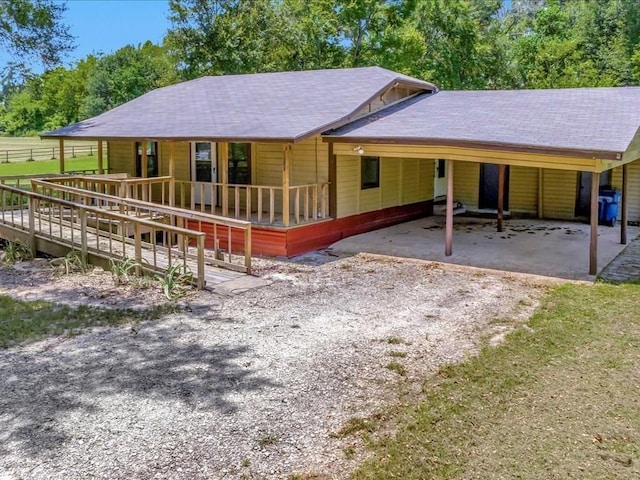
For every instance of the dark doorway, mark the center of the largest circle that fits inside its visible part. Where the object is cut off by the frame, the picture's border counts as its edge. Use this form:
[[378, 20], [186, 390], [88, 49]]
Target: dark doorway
[[488, 197], [583, 198]]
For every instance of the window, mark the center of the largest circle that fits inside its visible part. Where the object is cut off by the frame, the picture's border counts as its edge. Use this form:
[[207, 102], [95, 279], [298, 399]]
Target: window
[[370, 167], [442, 168], [240, 163], [152, 159]]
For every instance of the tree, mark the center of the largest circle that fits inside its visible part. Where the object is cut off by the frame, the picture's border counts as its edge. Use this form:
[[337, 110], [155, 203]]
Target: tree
[[33, 29], [124, 75]]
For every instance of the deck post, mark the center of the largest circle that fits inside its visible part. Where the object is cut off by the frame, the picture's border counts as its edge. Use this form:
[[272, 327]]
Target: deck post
[[224, 170], [172, 174], [448, 249], [593, 247], [625, 204], [33, 207], [84, 243], [501, 175], [286, 166], [61, 156], [100, 160]]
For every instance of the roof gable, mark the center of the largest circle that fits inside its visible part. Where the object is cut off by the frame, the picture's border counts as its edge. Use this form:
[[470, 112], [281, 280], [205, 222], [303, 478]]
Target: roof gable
[[286, 106], [587, 121]]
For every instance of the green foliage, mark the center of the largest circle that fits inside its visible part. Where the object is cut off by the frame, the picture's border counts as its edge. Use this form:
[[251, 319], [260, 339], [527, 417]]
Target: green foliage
[[22, 321], [175, 281], [456, 44], [33, 29], [16, 251], [72, 262], [124, 270]]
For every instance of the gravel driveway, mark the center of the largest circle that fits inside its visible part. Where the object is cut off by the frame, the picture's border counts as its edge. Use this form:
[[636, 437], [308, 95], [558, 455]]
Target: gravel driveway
[[248, 386]]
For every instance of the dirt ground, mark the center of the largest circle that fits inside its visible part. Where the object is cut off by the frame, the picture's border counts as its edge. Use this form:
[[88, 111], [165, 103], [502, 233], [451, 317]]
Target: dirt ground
[[254, 385]]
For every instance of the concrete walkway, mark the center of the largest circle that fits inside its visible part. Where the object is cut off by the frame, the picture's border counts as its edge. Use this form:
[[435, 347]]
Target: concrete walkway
[[550, 248]]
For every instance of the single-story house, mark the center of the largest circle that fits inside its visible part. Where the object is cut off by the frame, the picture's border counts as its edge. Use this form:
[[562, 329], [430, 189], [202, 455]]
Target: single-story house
[[313, 156]]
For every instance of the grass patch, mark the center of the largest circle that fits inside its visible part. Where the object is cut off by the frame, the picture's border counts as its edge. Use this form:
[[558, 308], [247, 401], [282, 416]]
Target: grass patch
[[397, 367], [559, 400], [47, 166], [22, 321], [397, 354]]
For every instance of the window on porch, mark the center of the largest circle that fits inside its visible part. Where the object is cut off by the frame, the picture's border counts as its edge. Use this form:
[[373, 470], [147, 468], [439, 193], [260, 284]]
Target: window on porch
[[152, 159], [240, 163]]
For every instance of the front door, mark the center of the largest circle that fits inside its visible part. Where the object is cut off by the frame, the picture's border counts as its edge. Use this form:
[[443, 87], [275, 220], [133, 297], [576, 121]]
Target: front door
[[488, 197], [583, 199], [204, 169], [440, 182]]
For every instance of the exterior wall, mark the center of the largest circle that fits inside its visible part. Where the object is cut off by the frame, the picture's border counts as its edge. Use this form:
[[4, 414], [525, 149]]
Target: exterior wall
[[121, 157], [523, 190], [403, 181], [634, 189], [466, 183], [559, 194]]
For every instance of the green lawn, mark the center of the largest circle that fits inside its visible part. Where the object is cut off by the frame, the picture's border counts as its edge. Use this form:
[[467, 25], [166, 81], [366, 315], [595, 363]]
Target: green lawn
[[559, 399], [21, 321], [48, 166]]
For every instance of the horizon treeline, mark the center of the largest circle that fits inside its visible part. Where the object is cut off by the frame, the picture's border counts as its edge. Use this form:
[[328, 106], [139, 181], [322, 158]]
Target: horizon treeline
[[456, 44]]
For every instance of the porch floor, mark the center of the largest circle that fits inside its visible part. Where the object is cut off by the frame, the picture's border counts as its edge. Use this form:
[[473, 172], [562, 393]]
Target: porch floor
[[541, 247]]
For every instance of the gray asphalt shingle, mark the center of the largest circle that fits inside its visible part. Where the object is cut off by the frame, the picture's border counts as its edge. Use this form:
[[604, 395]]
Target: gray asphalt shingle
[[283, 106], [580, 119]]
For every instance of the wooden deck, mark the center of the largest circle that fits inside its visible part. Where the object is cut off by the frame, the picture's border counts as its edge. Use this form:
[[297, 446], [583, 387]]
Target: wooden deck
[[67, 234], [56, 219]]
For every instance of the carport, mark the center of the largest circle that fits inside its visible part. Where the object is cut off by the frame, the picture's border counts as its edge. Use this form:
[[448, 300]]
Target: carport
[[540, 247], [592, 131]]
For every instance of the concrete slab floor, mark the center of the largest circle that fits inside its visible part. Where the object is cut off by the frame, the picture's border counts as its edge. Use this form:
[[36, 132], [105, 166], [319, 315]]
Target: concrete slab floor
[[541, 247]]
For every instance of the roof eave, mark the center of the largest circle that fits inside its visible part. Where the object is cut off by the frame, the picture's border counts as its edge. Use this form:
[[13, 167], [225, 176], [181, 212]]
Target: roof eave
[[498, 146]]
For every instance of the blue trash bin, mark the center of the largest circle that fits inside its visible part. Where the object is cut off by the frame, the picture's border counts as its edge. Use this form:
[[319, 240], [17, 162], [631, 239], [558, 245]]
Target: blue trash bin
[[608, 202]]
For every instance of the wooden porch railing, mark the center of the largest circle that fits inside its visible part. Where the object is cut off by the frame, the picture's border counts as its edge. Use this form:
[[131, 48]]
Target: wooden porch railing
[[226, 232], [310, 202], [100, 232]]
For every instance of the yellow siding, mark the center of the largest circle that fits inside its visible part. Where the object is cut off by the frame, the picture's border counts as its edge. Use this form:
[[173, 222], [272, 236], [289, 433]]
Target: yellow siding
[[634, 189], [268, 164], [390, 182], [466, 183], [347, 185], [121, 157], [310, 162], [523, 190], [182, 159], [559, 194], [402, 181]]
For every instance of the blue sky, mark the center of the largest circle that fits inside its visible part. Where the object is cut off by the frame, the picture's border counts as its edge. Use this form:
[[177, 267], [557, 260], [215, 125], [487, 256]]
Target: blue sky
[[107, 25]]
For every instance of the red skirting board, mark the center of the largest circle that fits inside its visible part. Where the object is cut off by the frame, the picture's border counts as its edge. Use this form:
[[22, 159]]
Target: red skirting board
[[288, 242]]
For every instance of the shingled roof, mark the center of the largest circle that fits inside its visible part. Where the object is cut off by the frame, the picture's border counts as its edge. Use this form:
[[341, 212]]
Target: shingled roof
[[287, 106], [588, 122]]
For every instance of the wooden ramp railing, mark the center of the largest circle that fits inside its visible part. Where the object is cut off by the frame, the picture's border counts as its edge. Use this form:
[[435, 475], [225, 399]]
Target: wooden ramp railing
[[228, 232], [107, 227]]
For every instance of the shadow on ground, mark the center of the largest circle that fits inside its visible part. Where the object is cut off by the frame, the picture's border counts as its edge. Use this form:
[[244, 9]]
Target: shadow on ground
[[47, 382]]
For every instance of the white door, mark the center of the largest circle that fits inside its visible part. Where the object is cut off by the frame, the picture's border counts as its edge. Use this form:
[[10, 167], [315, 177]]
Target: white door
[[440, 182], [204, 171]]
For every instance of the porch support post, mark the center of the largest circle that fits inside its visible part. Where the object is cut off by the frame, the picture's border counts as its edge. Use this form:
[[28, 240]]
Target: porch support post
[[286, 166], [100, 160], [448, 242], [224, 177], [593, 247], [61, 156], [172, 174], [501, 174], [625, 204]]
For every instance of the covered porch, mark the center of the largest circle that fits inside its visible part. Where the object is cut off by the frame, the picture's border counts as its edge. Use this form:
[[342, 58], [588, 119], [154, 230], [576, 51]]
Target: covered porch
[[176, 173]]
